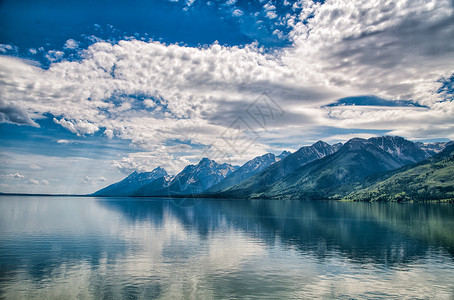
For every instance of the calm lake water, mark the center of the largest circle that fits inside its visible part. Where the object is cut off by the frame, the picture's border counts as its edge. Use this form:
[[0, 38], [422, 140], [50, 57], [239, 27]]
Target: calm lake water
[[120, 248]]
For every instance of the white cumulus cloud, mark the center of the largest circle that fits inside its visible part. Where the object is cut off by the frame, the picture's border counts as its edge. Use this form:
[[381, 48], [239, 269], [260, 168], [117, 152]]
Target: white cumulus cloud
[[71, 44], [157, 94], [271, 14], [12, 176], [92, 180], [33, 181], [237, 13], [54, 55], [63, 141]]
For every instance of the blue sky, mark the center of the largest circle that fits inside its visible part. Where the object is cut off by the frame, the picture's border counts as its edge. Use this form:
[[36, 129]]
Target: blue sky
[[92, 91]]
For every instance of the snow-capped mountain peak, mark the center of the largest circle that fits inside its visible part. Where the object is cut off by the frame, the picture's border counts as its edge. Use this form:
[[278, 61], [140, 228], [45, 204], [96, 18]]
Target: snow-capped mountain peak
[[399, 147], [200, 177]]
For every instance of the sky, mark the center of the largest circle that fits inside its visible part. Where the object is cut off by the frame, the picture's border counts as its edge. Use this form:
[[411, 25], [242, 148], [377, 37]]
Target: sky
[[90, 92]]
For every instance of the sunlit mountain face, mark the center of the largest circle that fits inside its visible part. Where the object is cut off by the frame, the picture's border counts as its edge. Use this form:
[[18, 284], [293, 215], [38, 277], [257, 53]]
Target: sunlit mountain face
[[92, 92]]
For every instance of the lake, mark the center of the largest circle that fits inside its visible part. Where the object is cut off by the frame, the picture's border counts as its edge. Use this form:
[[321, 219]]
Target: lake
[[145, 248]]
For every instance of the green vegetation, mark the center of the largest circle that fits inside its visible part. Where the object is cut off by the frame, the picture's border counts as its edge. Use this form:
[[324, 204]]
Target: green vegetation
[[430, 180], [358, 172], [329, 177]]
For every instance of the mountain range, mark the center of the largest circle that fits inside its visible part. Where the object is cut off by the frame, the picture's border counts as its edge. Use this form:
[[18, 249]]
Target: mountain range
[[132, 183], [322, 178], [429, 179], [354, 170], [193, 179], [250, 168]]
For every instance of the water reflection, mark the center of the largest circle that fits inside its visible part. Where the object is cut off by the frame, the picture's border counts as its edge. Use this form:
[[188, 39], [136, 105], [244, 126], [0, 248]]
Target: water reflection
[[151, 248]]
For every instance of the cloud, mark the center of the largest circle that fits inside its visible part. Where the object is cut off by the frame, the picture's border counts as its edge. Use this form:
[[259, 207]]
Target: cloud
[[394, 50], [345, 137], [153, 93], [33, 181], [63, 141], [44, 181], [54, 55], [93, 180], [271, 14], [55, 170], [12, 176], [147, 161], [278, 33], [71, 44], [5, 49], [173, 96], [78, 127], [109, 133], [11, 113], [34, 166], [269, 6], [237, 13]]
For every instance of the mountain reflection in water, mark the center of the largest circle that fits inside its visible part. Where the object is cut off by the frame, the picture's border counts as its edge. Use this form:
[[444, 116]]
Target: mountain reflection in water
[[68, 247]]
